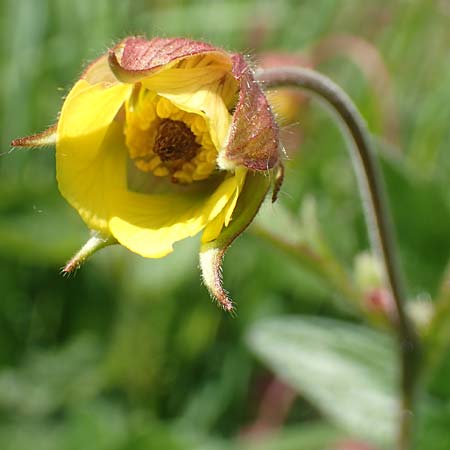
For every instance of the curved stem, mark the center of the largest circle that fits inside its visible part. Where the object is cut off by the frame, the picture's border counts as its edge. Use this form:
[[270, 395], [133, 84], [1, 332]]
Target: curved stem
[[376, 212]]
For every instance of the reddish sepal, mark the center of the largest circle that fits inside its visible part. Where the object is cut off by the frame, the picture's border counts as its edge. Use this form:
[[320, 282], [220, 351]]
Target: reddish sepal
[[136, 57], [254, 136]]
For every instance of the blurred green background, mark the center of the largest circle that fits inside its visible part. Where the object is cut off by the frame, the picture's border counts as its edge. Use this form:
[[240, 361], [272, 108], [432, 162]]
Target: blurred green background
[[131, 354]]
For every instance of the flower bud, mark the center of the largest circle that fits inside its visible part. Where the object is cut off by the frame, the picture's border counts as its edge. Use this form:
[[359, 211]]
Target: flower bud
[[377, 298]]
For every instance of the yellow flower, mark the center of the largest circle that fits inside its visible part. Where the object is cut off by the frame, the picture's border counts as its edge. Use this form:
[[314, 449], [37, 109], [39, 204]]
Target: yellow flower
[[161, 139]]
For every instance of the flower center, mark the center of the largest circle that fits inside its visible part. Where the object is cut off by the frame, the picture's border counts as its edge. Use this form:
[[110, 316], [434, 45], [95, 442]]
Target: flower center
[[175, 141], [167, 141]]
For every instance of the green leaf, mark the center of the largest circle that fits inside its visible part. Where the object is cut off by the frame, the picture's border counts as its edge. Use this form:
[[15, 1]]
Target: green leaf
[[347, 371]]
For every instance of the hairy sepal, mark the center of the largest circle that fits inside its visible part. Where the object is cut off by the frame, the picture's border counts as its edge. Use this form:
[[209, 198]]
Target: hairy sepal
[[96, 242], [136, 58], [254, 140], [44, 139], [212, 253]]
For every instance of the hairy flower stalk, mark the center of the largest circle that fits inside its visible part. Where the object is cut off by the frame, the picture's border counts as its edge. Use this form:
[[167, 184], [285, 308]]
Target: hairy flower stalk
[[160, 140], [377, 217]]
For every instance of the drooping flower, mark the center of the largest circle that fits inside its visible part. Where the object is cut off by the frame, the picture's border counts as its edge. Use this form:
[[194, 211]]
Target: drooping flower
[[161, 139]]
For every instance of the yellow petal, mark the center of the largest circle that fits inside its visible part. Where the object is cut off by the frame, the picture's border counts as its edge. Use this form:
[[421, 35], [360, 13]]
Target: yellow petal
[[83, 128], [99, 71], [90, 107], [150, 224], [213, 229], [202, 90], [241, 173]]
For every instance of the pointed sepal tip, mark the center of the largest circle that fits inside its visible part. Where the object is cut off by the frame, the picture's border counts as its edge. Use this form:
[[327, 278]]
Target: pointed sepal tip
[[95, 243], [44, 139], [211, 269]]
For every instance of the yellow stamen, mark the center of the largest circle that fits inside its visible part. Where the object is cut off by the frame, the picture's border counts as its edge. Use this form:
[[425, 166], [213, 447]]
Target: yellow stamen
[[167, 141]]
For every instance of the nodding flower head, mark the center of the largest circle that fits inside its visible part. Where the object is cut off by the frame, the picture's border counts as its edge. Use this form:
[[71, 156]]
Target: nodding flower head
[[162, 139]]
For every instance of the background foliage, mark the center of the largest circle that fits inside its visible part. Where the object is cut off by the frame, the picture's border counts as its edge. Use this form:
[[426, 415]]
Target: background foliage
[[130, 353]]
